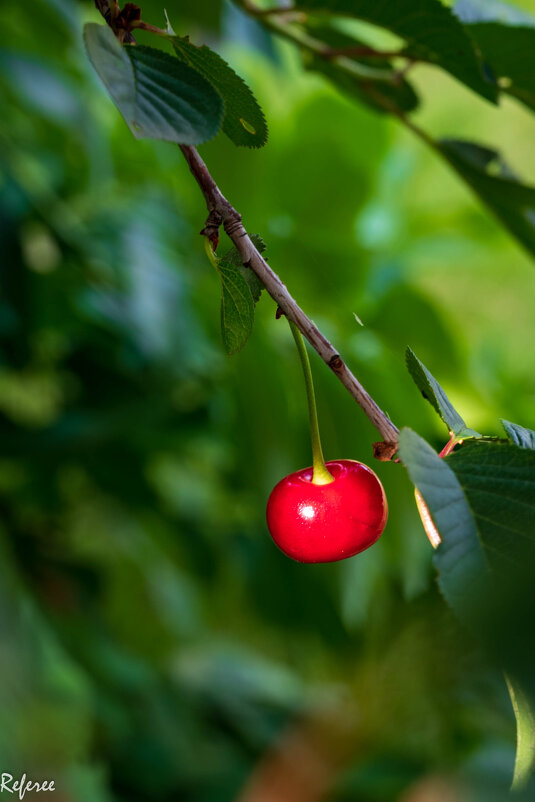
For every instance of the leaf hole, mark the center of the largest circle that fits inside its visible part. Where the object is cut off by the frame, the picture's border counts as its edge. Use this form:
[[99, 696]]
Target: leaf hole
[[248, 127], [505, 82]]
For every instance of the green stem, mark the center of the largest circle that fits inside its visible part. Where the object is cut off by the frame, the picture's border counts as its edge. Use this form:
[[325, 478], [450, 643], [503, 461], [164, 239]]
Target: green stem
[[320, 474], [210, 253]]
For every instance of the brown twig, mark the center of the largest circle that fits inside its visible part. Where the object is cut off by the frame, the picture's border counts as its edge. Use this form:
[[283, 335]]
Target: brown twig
[[221, 212], [362, 51]]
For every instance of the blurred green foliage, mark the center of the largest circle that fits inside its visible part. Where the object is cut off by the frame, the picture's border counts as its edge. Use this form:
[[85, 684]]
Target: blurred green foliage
[[154, 642]]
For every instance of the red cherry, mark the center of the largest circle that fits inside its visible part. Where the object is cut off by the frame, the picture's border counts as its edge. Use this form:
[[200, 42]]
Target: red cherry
[[320, 523]]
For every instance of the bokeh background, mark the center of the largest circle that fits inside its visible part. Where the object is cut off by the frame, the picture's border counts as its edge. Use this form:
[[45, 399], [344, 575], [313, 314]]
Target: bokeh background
[[154, 644]]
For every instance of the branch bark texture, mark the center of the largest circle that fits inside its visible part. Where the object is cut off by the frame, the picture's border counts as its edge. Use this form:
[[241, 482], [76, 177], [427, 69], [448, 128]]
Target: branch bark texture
[[221, 212]]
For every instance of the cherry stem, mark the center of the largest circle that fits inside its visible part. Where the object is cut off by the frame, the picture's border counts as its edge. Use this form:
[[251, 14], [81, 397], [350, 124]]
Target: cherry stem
[[450, 445], [320, 474]]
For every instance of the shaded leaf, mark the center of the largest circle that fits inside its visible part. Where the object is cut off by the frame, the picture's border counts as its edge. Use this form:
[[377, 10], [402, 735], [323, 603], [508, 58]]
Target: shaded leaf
[[521, 437], [490, 178], [243, 122], [510, 52], [237, 307], [499, 481], [158, 96], [433, 392], [431, 31], [482, 501]]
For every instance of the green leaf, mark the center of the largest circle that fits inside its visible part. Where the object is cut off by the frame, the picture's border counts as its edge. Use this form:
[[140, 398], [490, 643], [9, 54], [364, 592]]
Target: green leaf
[[464, 578], [433, 392], [237, 307], [158, 96], [431, 31], [482, 502], [243, 122], [521, 437], [234, 257], [490, 178], [499, 481], [525, 732], [510, 52]]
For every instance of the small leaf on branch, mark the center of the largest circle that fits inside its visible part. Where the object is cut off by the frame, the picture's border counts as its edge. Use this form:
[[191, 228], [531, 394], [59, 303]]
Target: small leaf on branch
[[158, 96], [433, 392], [521, 437], [243, 122], [490, 178], [237, 307]]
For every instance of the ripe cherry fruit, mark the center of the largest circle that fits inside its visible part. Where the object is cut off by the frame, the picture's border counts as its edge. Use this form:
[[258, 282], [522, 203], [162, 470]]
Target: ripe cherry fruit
[[330, 511], [320, 523]]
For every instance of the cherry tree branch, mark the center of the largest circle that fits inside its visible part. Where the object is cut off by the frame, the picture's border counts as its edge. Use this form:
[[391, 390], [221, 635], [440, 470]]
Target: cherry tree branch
[[221, 212]]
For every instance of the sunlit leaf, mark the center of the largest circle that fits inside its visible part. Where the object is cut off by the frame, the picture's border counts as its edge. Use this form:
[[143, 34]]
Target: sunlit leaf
[[433, 392]]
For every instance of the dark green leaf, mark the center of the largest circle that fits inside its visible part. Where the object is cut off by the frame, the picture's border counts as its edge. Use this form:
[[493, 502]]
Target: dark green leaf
[[521, 437], [243, 122], [482, 502], [158, 96], [234, 257], [433, 392], [499, 481], [490, 178], [510, 52], [431, 32], [237, 307]]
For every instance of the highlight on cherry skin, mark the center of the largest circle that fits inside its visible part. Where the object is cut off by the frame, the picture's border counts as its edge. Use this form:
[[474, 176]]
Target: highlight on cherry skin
[[320, 523]]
